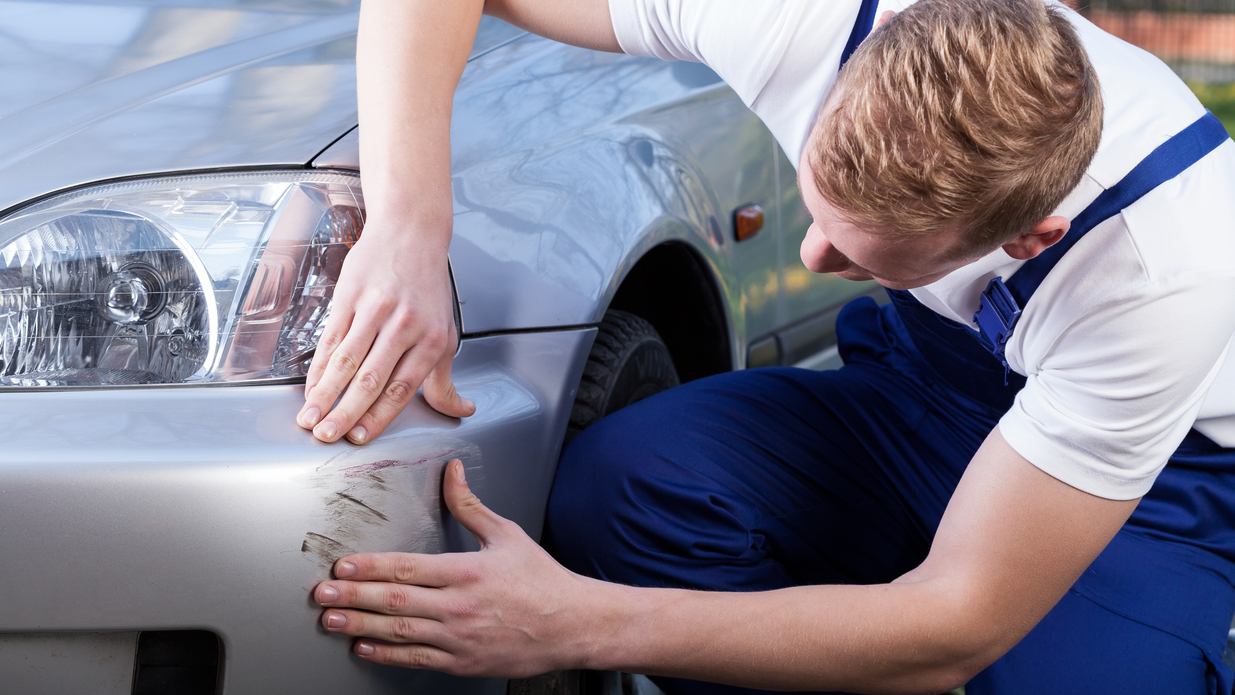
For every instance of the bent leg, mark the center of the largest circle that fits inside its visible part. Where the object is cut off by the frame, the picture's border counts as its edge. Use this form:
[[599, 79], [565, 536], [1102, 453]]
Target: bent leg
[[743, 481], [757, 480]]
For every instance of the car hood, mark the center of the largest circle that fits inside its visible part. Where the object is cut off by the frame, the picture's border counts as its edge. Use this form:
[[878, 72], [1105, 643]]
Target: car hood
[[96, 91]]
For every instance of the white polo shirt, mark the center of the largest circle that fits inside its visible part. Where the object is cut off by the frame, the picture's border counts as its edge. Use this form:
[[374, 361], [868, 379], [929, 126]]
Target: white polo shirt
[[1125, 343]]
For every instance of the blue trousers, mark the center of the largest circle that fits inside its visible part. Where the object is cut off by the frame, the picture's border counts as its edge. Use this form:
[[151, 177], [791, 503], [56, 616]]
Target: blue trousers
[[777, 477]]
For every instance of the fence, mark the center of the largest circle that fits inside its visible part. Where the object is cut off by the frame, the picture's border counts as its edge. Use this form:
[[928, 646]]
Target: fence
[[1196, 37]]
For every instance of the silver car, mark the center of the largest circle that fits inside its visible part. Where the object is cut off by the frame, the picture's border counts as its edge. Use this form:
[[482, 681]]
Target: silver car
[[178, 189]]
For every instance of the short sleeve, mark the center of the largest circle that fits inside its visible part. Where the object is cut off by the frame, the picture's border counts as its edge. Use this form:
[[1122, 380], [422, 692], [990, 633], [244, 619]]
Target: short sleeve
[[1116, 393], [779, 56]]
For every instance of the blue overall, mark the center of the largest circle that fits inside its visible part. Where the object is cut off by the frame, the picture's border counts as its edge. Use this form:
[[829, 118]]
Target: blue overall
[[768, 478]]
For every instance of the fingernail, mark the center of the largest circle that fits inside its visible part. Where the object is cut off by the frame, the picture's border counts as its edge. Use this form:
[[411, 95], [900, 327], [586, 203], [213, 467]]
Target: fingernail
[[327, 431], [327, 594], [358, 434], [364, 649], [344, 569], [462, 473], [470, 405], [335, 620], [310, 416]]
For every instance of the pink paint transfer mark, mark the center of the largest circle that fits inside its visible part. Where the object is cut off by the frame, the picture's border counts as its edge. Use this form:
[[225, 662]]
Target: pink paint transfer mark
[[367, 468]]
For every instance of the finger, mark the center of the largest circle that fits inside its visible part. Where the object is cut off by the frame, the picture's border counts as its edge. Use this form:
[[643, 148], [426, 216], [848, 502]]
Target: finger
[[365, 388], [440, 392], [405, 568], [400, 389], [338, 317], [340, 368], [388, 628], [485, 524], [408, 656], [323, 370], [337, 325], [382, 597]]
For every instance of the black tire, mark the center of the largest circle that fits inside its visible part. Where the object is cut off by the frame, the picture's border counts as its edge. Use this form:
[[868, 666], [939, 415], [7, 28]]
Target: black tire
[[628, 363]]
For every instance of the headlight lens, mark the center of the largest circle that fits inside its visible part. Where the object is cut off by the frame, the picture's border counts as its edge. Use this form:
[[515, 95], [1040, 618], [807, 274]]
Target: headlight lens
[[194, 279]]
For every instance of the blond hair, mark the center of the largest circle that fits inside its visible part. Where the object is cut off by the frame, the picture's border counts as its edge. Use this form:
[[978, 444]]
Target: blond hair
[[980, 115]]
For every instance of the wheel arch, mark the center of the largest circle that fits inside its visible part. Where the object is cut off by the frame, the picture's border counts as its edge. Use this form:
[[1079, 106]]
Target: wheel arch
[[672, 287]]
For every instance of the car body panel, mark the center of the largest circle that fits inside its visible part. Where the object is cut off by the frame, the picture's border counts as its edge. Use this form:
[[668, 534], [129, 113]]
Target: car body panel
[[95, 91], [98, 663], [201, 508], [560, 213]]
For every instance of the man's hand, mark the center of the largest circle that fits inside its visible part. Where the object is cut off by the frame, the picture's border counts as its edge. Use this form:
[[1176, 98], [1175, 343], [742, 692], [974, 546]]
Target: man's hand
[[391, 325], [391, 328], [508, 610]]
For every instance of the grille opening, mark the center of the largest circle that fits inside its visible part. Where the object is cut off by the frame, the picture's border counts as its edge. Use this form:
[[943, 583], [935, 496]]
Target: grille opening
[[178, 662]]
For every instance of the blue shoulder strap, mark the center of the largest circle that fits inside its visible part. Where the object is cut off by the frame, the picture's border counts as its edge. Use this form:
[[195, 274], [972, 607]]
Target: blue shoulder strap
[[1167, 161], [861, 27], [1001, 303]]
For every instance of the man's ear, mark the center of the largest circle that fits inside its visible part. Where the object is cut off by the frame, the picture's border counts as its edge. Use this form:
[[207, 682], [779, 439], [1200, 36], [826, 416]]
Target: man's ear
[[883, 18], [1044, 235]]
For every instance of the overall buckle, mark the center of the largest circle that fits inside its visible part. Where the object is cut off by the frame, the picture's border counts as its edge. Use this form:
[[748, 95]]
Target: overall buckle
[[997, 315]]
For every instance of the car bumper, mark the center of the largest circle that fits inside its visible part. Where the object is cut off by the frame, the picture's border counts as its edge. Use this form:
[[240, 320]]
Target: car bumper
[[207, 508]]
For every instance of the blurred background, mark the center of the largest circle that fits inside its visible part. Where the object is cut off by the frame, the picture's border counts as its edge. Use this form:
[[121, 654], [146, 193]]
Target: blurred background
[[1195, 37]]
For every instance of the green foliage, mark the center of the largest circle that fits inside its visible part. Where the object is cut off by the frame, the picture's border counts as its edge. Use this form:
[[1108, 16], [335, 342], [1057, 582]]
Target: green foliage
[[1219, 98]]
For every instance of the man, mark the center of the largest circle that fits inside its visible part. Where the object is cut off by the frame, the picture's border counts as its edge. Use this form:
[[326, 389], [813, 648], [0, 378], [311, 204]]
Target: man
[[1022, 479]]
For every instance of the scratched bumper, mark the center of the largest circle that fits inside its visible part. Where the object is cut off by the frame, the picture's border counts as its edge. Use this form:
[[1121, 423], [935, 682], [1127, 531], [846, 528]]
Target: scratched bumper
[[207, 508]]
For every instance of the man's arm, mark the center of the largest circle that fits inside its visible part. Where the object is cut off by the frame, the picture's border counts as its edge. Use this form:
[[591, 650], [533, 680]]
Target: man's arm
[[410, 55], [583, 23], [391, 325], [1011, 542]]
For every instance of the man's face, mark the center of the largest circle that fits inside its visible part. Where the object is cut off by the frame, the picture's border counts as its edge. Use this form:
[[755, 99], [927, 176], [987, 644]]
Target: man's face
[[833, 245]]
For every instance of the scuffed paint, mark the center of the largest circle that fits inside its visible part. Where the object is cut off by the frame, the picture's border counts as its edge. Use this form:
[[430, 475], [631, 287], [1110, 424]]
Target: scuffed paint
[[375, 466], [346, 498], [323, 546], [381, 505]]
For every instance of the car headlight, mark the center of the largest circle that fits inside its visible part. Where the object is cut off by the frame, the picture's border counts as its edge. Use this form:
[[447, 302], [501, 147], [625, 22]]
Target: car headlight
[[192, 279]]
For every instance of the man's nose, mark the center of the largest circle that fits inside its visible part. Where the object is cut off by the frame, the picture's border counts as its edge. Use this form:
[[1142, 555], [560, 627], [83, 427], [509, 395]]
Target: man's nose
[[820, 255]]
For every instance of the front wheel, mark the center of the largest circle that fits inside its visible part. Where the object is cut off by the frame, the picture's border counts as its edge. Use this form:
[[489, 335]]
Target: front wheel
[[628, 363]]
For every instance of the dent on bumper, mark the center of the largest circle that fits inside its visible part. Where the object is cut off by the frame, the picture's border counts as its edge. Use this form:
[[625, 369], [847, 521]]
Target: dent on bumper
[[208, 508]]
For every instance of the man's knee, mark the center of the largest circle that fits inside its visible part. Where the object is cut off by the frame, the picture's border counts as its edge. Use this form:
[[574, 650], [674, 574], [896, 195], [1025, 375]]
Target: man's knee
[[589, 492], [649, 496], [599, 468]]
